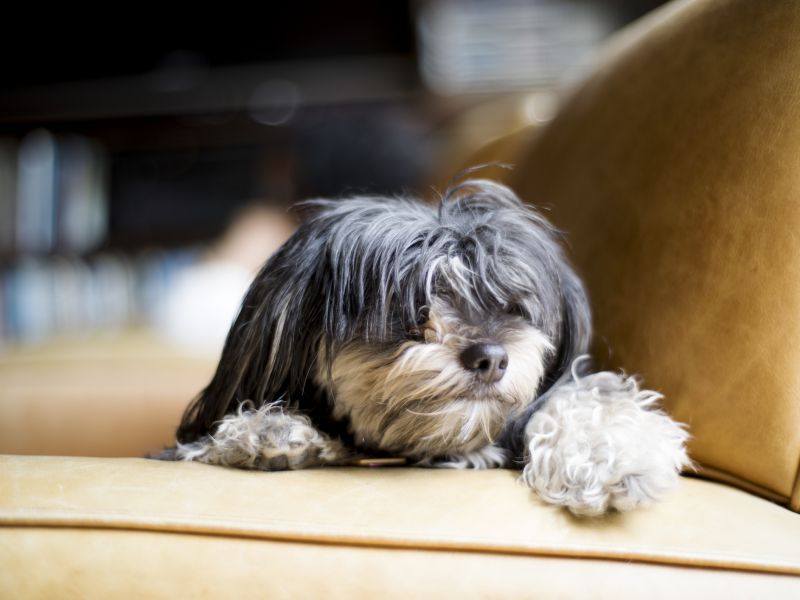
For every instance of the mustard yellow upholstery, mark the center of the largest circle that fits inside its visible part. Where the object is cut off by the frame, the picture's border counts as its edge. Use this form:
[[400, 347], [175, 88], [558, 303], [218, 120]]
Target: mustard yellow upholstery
[[114, 395], [133, 526], [674, 171]]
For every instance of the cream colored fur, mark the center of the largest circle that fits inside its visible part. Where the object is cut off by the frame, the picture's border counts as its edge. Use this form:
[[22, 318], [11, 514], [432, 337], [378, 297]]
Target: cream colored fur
[[268, 439], [600, 443], [421, 403]]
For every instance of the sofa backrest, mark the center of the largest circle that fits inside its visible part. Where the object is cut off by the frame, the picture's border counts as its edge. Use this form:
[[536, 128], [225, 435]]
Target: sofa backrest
[[674, 168]]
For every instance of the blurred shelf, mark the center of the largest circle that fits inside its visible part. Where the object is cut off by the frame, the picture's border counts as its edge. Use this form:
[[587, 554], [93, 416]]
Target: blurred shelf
[[258, 89]]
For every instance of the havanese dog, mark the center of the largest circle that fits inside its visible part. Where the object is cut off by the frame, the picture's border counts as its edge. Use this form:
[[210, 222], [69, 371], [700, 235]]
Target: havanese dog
[[451, 336]]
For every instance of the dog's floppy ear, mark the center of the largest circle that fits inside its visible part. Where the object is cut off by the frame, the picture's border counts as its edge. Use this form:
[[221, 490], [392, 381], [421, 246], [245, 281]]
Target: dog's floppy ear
[[271, 348], [572, 338], [575, 330]]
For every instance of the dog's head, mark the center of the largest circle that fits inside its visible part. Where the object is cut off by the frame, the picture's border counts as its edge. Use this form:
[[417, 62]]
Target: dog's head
[[424, 328]]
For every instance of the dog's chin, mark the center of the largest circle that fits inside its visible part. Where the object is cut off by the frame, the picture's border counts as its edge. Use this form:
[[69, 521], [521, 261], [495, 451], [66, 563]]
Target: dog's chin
[[460, 426]]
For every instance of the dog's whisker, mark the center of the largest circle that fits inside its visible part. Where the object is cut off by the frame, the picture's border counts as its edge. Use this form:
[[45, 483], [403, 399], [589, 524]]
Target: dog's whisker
[[443, 411]]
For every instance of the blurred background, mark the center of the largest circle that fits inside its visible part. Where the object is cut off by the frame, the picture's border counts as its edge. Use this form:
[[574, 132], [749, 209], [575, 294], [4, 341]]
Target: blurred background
[[148, 161]]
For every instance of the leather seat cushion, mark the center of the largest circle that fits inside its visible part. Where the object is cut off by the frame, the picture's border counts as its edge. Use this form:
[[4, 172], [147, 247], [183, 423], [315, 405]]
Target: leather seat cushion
[[135, 564], [91, 518], [120, 394]]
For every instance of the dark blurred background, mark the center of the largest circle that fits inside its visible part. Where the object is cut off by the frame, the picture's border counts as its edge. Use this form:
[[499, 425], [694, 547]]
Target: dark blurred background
[[147, 160]]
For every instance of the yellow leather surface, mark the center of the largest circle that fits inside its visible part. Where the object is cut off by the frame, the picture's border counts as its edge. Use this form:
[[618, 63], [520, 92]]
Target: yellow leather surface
[[702, 524], [106, 564], [675, 170], [116, 395], [795, 502]]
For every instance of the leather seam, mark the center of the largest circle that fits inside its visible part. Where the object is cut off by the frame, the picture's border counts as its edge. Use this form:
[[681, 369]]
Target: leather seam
[[718, 475], [236, 528], [554, 552], [794, 501]]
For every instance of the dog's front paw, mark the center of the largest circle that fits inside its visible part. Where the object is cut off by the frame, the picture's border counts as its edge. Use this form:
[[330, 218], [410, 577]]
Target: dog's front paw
[[600, 444], [267, 439]]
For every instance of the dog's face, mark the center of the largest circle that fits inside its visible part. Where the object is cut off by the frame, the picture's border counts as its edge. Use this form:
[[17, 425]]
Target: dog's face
[[446, 387], [425, 327]]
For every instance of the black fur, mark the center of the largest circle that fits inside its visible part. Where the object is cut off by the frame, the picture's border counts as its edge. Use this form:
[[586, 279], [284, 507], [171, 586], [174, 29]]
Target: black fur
[[365, 269]]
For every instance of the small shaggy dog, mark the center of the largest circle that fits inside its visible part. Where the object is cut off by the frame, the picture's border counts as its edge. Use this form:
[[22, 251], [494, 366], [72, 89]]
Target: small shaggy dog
[[448, 336]]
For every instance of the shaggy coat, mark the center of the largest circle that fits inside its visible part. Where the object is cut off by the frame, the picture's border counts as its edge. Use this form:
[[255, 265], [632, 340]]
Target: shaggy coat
[[448, 335]]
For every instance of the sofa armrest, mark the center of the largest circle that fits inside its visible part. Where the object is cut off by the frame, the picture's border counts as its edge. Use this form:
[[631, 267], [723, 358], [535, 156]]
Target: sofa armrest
[[673, 169]]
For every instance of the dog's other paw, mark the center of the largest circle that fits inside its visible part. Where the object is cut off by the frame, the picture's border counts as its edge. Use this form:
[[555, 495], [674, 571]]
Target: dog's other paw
[[268, 439], [600, 444]]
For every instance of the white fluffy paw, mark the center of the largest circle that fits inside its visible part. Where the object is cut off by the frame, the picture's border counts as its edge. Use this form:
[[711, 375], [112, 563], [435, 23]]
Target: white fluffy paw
[[268, 439], [601, 444]]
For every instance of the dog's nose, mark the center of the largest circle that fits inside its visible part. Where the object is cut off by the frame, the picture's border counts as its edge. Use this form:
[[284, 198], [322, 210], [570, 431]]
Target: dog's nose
[[488, 361]]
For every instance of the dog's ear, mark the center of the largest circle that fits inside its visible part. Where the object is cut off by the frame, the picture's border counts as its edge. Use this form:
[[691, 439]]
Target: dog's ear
[[575, 330], [572, 339], [271, 348]]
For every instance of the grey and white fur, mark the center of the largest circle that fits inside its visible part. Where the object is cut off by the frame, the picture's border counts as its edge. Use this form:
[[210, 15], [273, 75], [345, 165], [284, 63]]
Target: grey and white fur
[[450, 335]]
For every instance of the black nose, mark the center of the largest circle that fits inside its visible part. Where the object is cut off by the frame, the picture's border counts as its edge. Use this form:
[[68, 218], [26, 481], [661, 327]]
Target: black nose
[[489, 361]]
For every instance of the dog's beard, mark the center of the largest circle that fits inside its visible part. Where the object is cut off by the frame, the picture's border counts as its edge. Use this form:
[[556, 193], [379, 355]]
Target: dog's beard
[[416, 399]]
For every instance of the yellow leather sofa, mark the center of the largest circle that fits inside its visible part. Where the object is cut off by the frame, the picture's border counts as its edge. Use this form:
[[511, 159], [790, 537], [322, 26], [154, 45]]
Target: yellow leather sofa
[[675, 170]]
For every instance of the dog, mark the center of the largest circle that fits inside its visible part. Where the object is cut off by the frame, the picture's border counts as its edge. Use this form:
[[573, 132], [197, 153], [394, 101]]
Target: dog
[[448, 336]]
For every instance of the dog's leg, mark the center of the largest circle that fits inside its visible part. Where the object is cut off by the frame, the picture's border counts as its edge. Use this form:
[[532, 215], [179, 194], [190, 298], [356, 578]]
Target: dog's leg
[[488, 457], [269, 439], [599, 444]]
